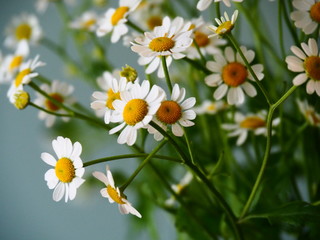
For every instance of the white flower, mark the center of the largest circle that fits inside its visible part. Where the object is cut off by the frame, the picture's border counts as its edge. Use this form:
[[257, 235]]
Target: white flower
[[24, 76], [42, 5], [112, 88], [231, 75], [251, 122], [115, 20], [309, 113], [87, 21], [204, 4], [135, 110], [307, 15], [66, 176], [225, 25], [176, 112], [210, 107], [307, 62], [113, 193], [59, 91], [23, 27]]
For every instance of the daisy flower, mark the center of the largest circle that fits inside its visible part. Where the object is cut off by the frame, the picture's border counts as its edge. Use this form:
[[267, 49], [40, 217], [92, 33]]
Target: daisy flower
[[252, 122], [306, 62], [23, 27], [59, 91], [169, 39], [210, 107], [66, 176], [24, 76], [309, 113], [113, 193], [307, 15], [112, 89], [115, 20], [12, 62], [204, 4], [87, 21], [225, 25], [231, 75], [135, 110], [176, 112]]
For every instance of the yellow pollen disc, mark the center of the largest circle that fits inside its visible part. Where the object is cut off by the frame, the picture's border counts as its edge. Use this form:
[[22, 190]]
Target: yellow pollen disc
[[315, 12], [211, 107], [153, 22], [312, 66], [118, 15], [50, 105], [135, 111], [65, 170], [16, 62], [234, 74], [201, 39], [114, 195], [169, 112], [224, 28], [23, 31], [20, 76], [87, 24], [111, 97], [253, 122], [161, 44]]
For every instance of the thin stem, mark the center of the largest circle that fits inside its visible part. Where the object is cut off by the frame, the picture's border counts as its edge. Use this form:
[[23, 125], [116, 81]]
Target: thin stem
[[49, 112], [141, 166], [202, 58], [280, 28], [166, 73], [134, 26], [197, 65], [189, 146], [218, 12]]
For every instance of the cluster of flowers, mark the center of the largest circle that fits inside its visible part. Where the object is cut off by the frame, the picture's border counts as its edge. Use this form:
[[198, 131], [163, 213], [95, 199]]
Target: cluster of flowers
[[134, 104]]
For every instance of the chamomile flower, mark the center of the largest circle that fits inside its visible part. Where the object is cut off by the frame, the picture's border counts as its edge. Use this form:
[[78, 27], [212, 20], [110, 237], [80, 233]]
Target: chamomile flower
[[66, 176], [210, 107], [225, 25], [251, 122], [135, 110], [12, 62], [112, 88], [24, 76], [87, 22], [115, 20], [309, 113], [59, 91], [307, 15], [24, 27], [204, 4], [176, 112], [231, 75], [307, 62], [113, 193]]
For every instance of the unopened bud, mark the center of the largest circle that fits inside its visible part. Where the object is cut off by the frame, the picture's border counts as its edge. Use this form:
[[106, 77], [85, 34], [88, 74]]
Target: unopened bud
[[129, 73], [21, 100]]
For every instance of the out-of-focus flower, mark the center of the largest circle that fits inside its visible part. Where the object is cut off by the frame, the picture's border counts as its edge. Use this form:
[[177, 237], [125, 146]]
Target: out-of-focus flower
[[225, 25], [129, 73], [204, 4], [309, 113], [113, 193], [42, 5], [59, 91], [231, 75], [66, 176], [87, 22], [306, 61], [210, 107]]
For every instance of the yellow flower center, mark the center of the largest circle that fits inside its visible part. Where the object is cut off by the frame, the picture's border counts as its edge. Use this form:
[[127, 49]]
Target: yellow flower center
[[161, 44], [224, 28], [114, 195], [315, 12], [253, 122], [169, 112], [87, 24], [234, 74], [154, 21], [23, 31], [111, 97], [15, 62], [118, 15], [312, 66], [201, 39], [135, 111], [20, 76], [65, 170], [211, 107], [52, 106]]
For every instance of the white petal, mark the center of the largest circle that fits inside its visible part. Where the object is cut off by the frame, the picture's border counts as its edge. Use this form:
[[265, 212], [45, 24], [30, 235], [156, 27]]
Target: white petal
[[101, 176], [300, 79], [310, 86], [220, 92], [249, 89], [177, 130], [48, 159], [58, 192]]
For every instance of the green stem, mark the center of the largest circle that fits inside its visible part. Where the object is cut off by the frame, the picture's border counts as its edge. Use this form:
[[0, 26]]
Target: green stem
[[189, 146], [202, 58], [134, 26], [197, 65], [218, 12], [280, 28], [49, 112], [166, 73], [141, 166]]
